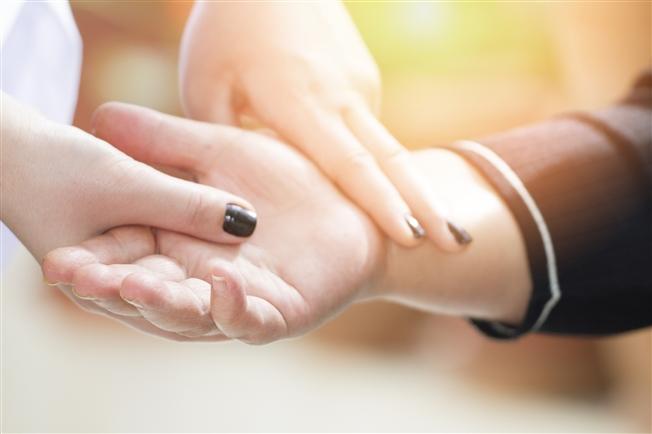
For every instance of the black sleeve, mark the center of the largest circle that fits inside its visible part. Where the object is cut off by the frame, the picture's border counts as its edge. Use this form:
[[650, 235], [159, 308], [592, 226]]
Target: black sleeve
[[580, 187]]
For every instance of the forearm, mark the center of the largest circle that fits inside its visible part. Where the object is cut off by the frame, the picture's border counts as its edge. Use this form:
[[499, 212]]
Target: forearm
[[17, 134], [24, 138], [490, 279], [591, 178], [50, 189], [569, 249]]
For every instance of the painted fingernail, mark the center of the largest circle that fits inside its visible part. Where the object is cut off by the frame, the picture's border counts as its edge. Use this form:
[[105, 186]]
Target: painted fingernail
[[417, 230], [461, 236], [239, 221]]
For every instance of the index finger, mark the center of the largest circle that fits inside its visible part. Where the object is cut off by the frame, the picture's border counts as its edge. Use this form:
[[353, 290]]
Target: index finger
[[329, 142]]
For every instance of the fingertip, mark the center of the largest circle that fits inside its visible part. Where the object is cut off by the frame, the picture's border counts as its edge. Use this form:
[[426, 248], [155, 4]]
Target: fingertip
[[142, 290], [449, 237], [100, 114], [87, 282], [240, 220], [417, 230], [106, 113], [59, 265], [202, 211], [405, 230], [228, 299], [461, 236]]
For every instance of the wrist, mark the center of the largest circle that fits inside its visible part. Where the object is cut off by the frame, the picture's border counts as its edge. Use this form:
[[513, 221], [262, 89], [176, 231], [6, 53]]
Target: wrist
[[490, 279], [51, 181], [374, 277]]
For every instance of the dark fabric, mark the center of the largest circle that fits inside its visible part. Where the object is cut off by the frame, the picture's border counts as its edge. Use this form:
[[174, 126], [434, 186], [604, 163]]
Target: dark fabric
[[534, 247], [591, 177]]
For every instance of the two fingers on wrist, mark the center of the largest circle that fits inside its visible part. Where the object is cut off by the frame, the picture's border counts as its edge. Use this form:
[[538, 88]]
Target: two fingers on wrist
[[375, 171], [395, 162], [161, 200]]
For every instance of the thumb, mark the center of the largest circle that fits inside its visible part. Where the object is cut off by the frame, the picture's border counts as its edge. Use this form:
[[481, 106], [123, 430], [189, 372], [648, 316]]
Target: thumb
[[160, 200]]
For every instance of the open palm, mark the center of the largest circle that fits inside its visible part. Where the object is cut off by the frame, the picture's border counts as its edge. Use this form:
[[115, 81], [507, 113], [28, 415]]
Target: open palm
[[310, 255]]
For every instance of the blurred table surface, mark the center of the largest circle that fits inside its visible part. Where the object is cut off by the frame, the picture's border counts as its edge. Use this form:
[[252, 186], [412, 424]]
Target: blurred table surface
[[67, 370]]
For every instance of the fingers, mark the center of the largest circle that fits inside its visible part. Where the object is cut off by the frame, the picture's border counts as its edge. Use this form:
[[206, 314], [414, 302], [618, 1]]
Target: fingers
[[119, 272], [159, 139], [395, 162], [101, 284], [250, 319], [96, 268], [179, 307], [330, 143], [120, 245], [151, 136], [154, 198], [160, 200]]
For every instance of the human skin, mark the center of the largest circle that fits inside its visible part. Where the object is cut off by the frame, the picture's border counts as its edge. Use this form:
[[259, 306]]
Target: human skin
[[313, 254], [61, 186], [302, 70]]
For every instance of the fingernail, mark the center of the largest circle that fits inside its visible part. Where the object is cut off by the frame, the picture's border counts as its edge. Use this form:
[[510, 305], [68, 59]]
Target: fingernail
[[217, 280], [48, 283], [239, 221], [83, 297], [417, 230], [134, 303], [461, 236]]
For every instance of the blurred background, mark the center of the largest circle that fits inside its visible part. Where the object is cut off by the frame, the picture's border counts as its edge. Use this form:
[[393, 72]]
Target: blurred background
[[450, 70]]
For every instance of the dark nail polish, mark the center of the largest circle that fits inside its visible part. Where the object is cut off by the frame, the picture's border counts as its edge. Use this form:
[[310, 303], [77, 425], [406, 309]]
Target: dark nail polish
[[239, 221], [461, 236], [415, 226]]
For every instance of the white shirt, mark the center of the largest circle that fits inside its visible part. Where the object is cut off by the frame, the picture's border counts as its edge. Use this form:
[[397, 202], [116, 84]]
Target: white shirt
[[40, 65]]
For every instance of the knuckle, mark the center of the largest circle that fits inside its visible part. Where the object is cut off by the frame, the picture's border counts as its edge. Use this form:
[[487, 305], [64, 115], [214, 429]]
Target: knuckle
[[345, 168], [195, 209], [126, 169], [393, 155]]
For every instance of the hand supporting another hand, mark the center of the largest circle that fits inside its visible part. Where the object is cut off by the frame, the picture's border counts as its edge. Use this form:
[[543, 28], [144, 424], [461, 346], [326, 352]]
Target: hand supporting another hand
[[61, 186], [313, 252], [302, 70]]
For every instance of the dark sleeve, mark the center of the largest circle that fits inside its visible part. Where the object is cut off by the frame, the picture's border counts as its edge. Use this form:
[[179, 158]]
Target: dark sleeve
[[580, 188]]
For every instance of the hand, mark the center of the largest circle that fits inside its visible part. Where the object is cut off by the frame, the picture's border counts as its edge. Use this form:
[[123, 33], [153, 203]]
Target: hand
[[312, 254], [61, 186], [303, 70]]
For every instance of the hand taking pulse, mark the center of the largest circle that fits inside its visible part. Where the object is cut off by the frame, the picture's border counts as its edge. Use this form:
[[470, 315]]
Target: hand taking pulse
[[302, 70], [313, 252]]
